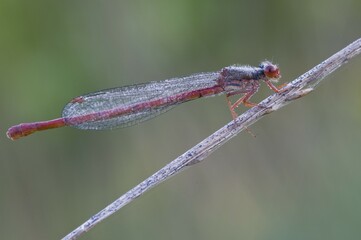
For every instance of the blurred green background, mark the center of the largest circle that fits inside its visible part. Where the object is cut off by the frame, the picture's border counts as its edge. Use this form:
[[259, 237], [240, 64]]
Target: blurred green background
[[298, 179]]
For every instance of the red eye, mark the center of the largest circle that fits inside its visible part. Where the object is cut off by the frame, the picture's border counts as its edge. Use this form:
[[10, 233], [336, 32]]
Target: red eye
[[272, 71]]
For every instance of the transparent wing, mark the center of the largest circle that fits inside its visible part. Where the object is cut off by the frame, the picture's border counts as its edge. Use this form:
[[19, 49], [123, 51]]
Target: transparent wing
[[109, 100]]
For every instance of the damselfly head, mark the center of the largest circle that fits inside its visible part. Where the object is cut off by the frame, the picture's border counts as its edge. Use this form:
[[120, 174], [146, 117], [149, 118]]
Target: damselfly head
[[270, 70]]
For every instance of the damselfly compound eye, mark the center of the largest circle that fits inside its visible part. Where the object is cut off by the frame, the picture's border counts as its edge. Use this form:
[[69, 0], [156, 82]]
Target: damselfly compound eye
[[270, 70]]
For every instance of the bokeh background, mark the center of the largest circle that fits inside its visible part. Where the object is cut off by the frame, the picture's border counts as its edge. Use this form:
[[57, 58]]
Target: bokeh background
[[300, 178]]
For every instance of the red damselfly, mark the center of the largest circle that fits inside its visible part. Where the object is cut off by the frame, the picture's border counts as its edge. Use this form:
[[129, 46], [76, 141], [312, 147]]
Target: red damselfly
[[129, 105]]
